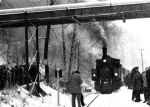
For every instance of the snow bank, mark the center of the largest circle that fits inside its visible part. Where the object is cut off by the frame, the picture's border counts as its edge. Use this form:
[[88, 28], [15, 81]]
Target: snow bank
[[65, 100], [20, 97]]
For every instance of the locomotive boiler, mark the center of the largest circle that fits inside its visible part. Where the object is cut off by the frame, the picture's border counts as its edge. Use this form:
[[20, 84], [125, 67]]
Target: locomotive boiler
[[107, 74]]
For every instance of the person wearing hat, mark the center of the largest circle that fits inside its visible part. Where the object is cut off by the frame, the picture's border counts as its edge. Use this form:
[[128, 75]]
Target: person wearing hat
[[74, 83], [137, 84]]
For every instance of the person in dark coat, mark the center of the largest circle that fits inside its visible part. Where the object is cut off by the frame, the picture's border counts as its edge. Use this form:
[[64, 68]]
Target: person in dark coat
[[16, 74], [148, 83], [13, 76], [133, 91], [137, 84], [148, 78], [145, 88], [1, 78], [74, 83], [82, 98]]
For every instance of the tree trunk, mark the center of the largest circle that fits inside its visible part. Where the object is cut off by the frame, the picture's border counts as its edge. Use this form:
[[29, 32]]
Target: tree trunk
[[71, 51], [64, 47], [75, 56], [72, 47], [78, 60]]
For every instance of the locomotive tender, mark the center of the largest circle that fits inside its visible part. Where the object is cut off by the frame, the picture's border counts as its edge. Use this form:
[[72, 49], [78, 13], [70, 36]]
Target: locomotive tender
[[107, 75]]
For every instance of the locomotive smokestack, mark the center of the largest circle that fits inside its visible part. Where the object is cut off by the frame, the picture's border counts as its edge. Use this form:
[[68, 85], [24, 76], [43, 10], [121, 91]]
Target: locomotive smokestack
[[104, 49]]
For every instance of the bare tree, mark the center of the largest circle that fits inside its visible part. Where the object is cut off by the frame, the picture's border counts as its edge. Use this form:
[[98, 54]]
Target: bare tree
[[71, 50], [72, 44], [64, 47], [78, 56]]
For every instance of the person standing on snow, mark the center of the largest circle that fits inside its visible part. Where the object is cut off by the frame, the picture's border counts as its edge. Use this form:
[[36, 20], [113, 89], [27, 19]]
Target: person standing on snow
[[74, 83], [137, 84], [145, 88], [133, 91], [148, 83]]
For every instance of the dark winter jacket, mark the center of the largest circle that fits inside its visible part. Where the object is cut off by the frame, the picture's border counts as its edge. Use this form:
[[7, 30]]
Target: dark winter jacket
[[137, 81], [144, 79], [74, 83], [148, 78]]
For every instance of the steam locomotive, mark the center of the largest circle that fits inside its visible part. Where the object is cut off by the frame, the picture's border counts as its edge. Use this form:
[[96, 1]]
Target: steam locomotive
[[107, 75]]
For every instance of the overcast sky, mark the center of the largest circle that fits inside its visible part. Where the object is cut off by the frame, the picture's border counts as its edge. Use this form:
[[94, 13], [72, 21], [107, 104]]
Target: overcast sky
[[136, 34], [139, 32]]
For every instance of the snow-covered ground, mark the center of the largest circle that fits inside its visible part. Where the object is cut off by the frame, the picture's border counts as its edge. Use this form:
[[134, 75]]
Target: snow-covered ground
[[122, 98], [20, 98]]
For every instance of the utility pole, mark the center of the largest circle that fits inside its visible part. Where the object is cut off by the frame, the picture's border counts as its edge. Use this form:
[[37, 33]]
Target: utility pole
[[142, 59]]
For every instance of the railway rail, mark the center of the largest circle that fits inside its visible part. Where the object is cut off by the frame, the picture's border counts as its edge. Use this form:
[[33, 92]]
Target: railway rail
[[92, 100], [109, 102]]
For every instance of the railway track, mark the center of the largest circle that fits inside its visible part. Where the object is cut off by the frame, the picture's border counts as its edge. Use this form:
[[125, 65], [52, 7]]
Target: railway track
[[92, 100], [108, 102]]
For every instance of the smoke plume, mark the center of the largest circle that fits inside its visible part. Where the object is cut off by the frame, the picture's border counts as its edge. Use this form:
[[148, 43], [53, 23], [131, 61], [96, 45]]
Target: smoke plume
[[99, 35]]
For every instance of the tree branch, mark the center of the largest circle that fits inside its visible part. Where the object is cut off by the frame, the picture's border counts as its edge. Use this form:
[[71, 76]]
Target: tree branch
[[57, 39]]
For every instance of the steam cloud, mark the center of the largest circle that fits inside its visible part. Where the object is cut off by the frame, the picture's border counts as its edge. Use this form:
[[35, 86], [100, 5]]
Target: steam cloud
[[99, 35]]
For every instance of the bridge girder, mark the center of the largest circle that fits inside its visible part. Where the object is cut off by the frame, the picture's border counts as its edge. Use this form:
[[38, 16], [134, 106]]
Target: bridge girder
[[83, 12]]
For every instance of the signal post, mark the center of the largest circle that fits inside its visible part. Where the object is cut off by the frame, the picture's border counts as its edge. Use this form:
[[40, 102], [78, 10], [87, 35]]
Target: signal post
[[58, 75]]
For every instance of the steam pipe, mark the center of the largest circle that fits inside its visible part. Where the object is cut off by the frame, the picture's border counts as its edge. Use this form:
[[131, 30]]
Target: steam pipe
[[68, 7]]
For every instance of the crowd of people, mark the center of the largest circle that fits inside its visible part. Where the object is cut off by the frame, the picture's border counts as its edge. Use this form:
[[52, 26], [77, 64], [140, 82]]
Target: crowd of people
[[16, 75], [140, 84]]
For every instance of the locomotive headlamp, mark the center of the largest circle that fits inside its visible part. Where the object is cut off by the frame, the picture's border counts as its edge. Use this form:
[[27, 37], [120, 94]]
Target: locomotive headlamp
[[116, 74], [104, 60], [94, 75]]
